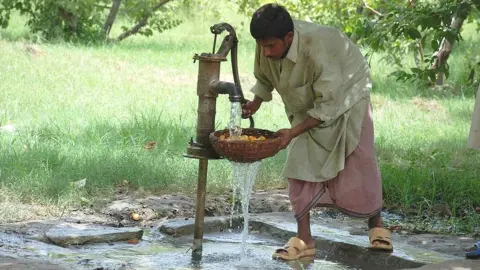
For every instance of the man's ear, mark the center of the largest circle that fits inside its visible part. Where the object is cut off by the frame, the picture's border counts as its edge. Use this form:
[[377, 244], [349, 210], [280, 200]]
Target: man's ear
[[289, 38]]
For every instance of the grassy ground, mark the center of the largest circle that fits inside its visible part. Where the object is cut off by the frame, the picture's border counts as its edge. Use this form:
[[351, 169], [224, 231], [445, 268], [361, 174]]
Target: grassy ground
[[86, 112]]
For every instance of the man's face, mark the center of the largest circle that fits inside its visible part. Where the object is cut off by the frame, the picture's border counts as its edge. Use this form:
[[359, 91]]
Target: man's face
[[275, 48]]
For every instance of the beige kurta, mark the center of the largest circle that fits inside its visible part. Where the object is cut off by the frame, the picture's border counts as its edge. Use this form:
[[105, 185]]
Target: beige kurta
[[474, 137], [323, 76]]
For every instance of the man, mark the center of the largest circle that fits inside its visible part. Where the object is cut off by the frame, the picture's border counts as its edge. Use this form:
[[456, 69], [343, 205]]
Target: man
[[324, 83]]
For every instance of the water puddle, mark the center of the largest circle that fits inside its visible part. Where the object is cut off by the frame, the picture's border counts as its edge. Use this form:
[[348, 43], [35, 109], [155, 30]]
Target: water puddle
[[221, 251]]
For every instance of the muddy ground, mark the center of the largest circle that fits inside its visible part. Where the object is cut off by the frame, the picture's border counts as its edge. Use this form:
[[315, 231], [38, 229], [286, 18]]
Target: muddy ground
[[128, 210]]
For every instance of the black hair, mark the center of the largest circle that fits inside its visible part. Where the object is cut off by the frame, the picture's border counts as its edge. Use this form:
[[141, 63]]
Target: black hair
[[270, 21]]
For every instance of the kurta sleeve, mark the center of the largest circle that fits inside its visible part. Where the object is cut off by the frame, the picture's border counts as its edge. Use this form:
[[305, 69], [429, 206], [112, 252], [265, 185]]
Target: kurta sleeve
[[263, 87]]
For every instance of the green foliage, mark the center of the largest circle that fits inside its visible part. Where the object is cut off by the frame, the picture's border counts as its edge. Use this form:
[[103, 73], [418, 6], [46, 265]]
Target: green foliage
[[418, 29], [84, 20], [53, 19], [160, 19], [398, 28]]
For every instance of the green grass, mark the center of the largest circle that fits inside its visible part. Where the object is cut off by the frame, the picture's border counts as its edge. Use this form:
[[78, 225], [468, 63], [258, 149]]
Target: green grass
[[87, 112]]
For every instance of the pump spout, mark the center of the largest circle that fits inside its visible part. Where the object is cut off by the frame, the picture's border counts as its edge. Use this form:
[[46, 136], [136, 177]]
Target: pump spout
[[234, 93]]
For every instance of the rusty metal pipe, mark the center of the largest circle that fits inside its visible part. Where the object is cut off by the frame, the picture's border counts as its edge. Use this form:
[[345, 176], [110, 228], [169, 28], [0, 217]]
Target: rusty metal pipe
[[234, 93], [200, 205], [208, 72]]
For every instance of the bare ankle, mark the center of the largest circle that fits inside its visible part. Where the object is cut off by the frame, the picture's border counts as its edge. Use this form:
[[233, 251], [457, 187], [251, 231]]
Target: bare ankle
[[375, 221], [308, 239]]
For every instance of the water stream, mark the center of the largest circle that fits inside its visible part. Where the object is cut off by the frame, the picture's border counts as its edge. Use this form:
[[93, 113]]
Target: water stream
[[235, 120], [244, 175]]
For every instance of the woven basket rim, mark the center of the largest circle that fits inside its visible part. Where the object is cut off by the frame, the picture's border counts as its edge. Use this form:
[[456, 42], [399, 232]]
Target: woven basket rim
[[216, 136], [234, 149]]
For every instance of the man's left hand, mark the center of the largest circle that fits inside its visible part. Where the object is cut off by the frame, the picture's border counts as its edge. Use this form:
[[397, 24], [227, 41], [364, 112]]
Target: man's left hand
[[286, 136]]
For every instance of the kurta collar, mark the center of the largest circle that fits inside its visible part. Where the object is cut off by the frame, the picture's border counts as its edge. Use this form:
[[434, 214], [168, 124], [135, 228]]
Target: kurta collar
[[292, 52]]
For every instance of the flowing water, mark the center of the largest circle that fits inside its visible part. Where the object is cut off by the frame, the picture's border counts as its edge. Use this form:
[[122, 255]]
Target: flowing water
[[244, 175], [235, 120]]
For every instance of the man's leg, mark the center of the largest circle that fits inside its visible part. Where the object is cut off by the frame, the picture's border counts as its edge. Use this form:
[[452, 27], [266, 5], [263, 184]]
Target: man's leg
[[303, 231], [302, 195], [375, 221]]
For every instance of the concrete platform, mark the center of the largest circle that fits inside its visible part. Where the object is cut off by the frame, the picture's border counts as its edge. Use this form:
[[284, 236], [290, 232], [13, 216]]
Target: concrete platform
[[344, 242]]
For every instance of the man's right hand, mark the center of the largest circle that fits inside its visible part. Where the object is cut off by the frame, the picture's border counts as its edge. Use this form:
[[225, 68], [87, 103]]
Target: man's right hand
[[251, 107]]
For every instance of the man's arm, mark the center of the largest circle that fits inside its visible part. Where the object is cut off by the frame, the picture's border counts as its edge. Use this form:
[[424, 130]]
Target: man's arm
[[306, 125], [263, 87]]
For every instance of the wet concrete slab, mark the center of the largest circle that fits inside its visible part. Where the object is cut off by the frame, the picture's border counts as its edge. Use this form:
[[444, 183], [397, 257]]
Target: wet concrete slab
[[453, 265], [10, 263], [77, 234], [221, 251], [180, 227], [341, 242]]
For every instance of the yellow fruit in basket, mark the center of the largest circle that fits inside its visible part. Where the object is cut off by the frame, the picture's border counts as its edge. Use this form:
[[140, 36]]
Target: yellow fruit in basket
[[226, 136]]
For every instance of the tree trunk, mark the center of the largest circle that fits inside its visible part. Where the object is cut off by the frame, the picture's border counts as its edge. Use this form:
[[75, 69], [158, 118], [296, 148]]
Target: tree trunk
[[69, 18], [446, 46], [142, 22], [111, 17], [474, 135]]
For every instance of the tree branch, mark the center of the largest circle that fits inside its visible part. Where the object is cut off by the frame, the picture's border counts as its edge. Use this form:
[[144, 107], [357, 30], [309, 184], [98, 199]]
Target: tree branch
[[446, 46], [102, 6], [371, 9], [111, 17], [142, 22]]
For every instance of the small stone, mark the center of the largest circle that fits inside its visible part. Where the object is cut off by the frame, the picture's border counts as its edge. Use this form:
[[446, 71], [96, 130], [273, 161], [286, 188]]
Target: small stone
[[135, 216], [78, 234]]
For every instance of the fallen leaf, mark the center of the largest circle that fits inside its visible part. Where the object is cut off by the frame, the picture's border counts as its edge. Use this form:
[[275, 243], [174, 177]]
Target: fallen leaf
[[150, 145], [395, 228], [133, 241]]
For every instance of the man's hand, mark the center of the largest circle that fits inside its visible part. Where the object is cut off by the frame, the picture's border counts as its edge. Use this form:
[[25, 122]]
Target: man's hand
[[251, 107], [286, 135]]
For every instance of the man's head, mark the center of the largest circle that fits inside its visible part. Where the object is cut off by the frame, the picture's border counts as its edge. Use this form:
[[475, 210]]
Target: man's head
[[272, 27]]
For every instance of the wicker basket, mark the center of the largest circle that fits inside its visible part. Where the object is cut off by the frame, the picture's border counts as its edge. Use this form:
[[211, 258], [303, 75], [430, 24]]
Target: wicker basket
[[245, 151]]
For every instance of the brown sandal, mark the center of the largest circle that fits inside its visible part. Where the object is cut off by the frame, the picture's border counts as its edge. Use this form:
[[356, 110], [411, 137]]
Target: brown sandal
[[294, 249], [380, 239]]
